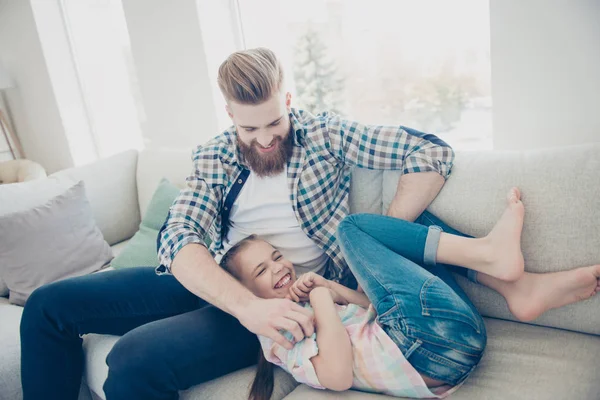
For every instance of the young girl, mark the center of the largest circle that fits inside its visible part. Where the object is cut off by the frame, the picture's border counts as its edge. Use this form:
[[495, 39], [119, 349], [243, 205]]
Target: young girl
[[415, 333]]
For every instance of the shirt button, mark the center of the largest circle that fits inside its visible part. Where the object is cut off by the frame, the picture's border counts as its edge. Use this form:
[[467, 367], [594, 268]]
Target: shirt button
[[226, 208], [240, 181]]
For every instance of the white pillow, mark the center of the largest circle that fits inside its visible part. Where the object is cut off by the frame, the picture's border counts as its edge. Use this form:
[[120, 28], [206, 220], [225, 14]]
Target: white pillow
[[53, 241]]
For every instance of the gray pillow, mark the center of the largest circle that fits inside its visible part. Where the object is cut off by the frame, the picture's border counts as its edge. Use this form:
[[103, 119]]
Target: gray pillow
[[54, 241]]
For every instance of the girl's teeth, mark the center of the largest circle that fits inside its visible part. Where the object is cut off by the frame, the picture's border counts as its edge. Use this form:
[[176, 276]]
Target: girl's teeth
[[283, 281]]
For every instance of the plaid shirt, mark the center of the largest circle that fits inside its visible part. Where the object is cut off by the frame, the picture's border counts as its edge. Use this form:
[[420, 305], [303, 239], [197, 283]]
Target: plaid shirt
[[325, 149]]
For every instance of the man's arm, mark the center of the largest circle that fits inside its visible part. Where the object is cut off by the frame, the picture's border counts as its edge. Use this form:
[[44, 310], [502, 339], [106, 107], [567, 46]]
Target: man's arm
[[198, 272], [182, 253], [414, 194], [333, 364], [194, 266], [424, 159]]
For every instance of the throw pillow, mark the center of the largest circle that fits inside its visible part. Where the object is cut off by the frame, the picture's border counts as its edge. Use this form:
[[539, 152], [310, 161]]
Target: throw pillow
[[50, 242], [141, 249]]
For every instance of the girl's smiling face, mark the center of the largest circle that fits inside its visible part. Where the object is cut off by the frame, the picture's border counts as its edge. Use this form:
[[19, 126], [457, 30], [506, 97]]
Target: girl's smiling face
[[262, 269]]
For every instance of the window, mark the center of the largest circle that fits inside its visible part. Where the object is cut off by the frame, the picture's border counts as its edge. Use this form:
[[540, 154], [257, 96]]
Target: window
[[100, 45], [424, 64]]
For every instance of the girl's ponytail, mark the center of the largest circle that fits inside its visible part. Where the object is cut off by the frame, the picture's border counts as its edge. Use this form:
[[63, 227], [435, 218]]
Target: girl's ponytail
[[262, 387]]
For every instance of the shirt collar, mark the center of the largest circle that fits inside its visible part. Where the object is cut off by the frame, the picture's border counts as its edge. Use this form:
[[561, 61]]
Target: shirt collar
[[298, 129]]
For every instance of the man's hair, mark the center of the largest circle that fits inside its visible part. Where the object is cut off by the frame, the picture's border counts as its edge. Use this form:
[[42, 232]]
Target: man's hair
[[250, 76]]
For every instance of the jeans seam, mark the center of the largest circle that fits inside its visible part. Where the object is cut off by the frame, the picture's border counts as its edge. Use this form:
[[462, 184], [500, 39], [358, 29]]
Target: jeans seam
[[473, 325], [443, 360], [447, 340], [425, 309], [423, 293], [385, 314]]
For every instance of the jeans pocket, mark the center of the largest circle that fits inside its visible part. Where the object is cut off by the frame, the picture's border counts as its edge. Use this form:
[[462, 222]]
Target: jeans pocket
[[438, 300]]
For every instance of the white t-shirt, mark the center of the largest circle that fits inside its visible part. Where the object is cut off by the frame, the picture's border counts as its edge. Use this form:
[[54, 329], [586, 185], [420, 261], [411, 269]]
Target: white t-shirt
[[263, 207]]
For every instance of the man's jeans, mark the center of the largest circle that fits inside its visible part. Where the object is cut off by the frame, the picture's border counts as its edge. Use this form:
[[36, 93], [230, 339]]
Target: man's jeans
[[172, 339], [418, 302]]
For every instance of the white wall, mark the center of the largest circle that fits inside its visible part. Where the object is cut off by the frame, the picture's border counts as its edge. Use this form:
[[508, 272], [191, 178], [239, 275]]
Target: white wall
[[64, 79], [545, 72], [545, 75], [32, 104], [168, 52]]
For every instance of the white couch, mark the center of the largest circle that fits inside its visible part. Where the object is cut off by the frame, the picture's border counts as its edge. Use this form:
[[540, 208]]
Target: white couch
[[556, 357]]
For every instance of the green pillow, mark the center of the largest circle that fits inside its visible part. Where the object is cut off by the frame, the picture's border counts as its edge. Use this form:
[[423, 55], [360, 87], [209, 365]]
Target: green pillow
[[141, 249]]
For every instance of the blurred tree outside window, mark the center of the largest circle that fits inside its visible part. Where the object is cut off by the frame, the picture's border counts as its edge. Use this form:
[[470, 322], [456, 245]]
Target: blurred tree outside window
[[423, 64]]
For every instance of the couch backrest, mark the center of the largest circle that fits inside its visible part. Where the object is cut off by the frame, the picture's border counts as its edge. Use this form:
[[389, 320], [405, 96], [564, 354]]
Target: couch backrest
[[153, 165], [110, 186], [561, 193]]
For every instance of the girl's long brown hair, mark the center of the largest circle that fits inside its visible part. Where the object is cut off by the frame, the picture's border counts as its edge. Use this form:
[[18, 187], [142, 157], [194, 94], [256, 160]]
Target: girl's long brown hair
[[262, 386]]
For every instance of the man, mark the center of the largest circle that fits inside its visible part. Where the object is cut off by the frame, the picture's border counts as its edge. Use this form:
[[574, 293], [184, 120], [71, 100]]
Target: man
[[172, 337]]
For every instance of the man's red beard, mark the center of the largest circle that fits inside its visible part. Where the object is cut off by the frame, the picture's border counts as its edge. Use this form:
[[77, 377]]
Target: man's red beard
[[267, 164]]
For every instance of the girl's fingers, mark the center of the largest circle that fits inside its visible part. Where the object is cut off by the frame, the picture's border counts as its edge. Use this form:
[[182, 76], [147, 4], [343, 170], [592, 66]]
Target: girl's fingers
[[293, 295], [303, 287], [298, 292]]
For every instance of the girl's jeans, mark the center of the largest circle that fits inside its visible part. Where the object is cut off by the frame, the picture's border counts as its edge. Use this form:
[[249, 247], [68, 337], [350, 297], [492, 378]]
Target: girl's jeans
[[418, 302]]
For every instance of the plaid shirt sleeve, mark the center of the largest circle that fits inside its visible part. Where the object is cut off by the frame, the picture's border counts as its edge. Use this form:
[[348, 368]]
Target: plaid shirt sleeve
[[386, 147], [196, 207]]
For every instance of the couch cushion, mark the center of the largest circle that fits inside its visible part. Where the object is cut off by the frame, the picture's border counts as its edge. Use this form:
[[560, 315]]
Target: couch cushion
[[10, 351], [111, 189], [141, 250], [22, 196], [561, 192], [65, 239], [119, 247], [521, 361], [232, 386], [154, 165], [366, 195]]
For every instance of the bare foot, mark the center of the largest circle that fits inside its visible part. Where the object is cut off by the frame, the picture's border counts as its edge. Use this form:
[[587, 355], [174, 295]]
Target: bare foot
[[503, 243], [534, 294]]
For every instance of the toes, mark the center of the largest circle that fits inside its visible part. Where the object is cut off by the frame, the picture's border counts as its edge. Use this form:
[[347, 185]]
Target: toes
[[514, 195], [517, 193]]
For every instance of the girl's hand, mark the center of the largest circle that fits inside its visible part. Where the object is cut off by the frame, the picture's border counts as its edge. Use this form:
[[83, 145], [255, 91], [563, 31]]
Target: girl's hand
[[301, 289], [305, 284]]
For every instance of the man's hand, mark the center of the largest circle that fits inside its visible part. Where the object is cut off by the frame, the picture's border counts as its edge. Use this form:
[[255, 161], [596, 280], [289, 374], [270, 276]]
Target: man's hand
[[267, 317], [305, 284]]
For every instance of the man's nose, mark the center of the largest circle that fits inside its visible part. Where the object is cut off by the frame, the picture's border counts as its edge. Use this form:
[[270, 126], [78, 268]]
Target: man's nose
[[264, 140]]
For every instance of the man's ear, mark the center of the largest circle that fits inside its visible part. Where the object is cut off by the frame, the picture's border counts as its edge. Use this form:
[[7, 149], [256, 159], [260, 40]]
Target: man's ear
[[228, 111], [288, 100]]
